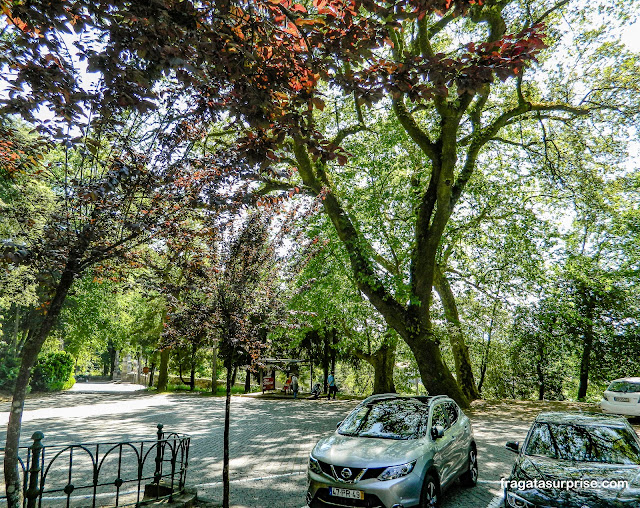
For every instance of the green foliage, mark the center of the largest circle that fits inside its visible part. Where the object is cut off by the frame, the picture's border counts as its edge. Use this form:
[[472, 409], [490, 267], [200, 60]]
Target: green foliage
[[8, 370], [53, 372]]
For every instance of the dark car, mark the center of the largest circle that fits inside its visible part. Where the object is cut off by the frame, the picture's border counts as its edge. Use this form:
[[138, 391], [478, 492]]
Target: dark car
[[581, 460]]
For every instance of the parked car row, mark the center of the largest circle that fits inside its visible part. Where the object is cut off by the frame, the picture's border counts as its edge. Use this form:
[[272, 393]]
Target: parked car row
[[397, 452]]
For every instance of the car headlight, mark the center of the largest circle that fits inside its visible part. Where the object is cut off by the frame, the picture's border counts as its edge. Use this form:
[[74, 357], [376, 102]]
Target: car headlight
[[393, 472], [314, 465], [517, 502]]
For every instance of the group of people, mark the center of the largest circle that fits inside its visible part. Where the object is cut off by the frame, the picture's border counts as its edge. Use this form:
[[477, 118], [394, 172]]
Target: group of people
[[293, 385]]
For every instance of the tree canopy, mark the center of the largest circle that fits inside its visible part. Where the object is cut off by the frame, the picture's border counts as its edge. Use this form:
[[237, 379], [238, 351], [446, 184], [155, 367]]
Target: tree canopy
[[477, 150]]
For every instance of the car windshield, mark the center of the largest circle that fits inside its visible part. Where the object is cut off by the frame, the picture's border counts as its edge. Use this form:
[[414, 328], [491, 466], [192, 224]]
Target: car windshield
[[387, 419], [624, 387], [584, 443]]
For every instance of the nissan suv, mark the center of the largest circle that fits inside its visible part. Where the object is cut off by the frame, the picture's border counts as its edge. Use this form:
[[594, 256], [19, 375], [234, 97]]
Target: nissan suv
[[393, 452]]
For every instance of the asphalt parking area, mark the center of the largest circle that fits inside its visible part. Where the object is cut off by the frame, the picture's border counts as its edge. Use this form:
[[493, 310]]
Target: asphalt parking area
[[270, 439]]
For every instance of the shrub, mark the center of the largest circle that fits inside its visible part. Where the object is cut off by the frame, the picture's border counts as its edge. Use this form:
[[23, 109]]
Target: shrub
[[53, 372], [9, 368]]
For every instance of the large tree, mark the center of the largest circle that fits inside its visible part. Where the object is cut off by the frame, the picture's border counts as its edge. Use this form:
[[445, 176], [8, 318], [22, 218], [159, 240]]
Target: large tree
[[438, 70], [108, 196], [257, 68]]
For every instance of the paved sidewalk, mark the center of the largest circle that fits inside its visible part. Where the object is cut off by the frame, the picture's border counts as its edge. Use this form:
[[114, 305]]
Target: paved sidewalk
[[270, 439]]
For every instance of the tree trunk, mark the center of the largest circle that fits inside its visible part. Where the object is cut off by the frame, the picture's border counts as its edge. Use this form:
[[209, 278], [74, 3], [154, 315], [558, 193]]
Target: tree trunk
[[435, 374], [151, 373], [485, 356], [464, 370], [29, 354], [112, 359], [13, 341], [227, 418], [214, 370], [163, 374], [587, 345], [540, 370], [192, 376], [334, 342], [325, 361], [383, 362], [584, 365], [247, 382]]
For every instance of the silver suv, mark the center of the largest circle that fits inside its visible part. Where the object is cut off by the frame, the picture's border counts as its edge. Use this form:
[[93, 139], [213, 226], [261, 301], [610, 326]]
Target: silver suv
[[393, 452]]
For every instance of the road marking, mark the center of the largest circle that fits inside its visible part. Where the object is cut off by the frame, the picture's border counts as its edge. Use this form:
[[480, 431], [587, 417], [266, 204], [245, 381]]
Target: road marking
[[260, 478]]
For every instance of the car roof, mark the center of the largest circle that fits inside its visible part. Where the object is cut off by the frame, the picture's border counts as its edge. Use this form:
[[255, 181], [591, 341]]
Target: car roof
[[628, 380], [581, 418], [427, 400]]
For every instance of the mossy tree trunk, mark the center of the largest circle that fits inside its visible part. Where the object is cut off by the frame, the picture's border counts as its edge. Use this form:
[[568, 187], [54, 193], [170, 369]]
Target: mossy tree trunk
[[462, 360]]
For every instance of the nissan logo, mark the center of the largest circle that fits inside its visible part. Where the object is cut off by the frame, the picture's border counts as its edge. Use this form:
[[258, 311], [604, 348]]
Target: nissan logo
[[346, 473]]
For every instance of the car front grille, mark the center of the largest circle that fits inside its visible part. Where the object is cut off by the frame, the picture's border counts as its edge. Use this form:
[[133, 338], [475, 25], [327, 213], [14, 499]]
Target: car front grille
[[324, 500], [354, 475]]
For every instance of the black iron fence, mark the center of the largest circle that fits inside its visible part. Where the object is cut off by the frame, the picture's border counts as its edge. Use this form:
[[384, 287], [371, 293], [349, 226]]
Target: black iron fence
[[103, 474]]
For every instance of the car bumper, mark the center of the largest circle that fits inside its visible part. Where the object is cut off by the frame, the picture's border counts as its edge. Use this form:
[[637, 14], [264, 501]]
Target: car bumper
[[403, 492], [620, 408]]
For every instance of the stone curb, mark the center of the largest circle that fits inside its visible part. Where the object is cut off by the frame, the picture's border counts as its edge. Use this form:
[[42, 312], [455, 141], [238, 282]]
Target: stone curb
[[185, 500]]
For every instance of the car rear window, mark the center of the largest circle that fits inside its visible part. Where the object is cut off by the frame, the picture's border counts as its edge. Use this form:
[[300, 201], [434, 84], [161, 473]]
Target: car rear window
[[624, 387], [387, 419], [583, 443]]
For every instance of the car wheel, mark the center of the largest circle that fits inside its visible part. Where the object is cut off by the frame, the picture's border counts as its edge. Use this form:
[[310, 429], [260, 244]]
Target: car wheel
[[430, 495], [470, 477]]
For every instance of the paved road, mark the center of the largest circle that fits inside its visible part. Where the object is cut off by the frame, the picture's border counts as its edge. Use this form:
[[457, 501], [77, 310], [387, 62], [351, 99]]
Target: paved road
[[270, 439]]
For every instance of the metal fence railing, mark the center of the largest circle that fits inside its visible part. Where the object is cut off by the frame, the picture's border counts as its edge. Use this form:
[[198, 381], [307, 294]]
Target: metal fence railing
[[103, 474]]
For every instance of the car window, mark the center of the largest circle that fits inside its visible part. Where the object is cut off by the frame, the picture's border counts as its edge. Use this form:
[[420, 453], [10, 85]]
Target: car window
[[583, 443], [439, 417], [387, 419], [452, 411], [624, 387]]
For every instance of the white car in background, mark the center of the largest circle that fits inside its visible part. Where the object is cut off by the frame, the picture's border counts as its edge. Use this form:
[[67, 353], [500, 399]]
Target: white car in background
[[622, 397]]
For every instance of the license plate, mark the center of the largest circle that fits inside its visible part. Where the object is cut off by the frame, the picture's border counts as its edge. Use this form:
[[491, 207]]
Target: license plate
[[347, 493], [621, 399]]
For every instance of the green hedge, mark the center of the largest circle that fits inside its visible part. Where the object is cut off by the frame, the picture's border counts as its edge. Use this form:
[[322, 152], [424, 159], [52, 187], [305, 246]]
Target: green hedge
[[53, 372], [9, 367]]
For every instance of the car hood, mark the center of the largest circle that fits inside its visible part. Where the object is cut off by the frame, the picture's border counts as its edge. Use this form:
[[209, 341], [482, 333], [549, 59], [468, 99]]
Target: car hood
[[540, 468], [367, 452]]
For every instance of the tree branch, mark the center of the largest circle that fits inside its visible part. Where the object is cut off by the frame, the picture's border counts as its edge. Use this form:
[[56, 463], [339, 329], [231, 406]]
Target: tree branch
[[413, 129], [485, 135], [365, 276], [549, 11], [348, 131]]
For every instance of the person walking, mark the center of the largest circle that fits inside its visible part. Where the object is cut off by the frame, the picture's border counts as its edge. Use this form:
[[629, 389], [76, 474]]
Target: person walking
[[294, 386], [333, 388]]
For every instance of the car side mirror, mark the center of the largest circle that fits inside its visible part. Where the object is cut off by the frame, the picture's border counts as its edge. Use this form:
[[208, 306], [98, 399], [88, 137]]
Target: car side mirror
[[514, 446], [437, 431], [338, 424]]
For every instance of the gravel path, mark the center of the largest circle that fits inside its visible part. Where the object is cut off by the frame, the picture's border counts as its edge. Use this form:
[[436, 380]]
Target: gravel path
[[270, 439]]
